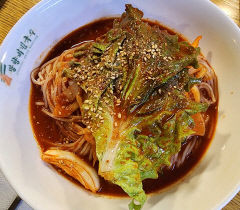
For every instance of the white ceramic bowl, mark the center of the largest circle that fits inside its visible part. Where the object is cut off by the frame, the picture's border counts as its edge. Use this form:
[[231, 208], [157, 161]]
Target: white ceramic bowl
[[211, 185]]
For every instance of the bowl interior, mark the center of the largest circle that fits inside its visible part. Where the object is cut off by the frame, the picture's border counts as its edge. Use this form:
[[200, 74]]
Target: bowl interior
[[216, 177]]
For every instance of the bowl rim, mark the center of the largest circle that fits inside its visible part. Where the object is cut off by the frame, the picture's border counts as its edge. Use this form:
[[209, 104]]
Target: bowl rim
[[228, 197]]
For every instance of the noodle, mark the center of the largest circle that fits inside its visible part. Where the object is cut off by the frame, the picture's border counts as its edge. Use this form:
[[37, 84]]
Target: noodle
[[208, 86], [48, 76]]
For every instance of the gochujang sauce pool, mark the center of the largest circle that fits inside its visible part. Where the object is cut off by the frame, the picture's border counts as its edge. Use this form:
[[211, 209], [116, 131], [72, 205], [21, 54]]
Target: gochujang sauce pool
[[45, 128]]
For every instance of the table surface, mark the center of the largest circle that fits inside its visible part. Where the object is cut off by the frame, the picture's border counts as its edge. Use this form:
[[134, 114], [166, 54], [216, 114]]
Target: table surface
[[12, 10]]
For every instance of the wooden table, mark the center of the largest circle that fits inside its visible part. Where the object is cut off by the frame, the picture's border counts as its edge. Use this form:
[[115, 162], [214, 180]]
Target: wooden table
[[12, 10]]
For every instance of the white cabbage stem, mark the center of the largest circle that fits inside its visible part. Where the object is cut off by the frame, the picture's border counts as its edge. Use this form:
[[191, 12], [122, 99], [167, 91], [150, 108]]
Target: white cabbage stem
[[73, 166]]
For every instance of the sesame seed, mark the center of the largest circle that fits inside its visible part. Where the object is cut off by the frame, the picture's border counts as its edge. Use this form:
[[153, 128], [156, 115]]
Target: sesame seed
[[115, 124], [119, 115]]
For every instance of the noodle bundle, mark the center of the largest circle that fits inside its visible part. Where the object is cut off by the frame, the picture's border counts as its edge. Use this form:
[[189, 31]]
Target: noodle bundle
[[55, 86]]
